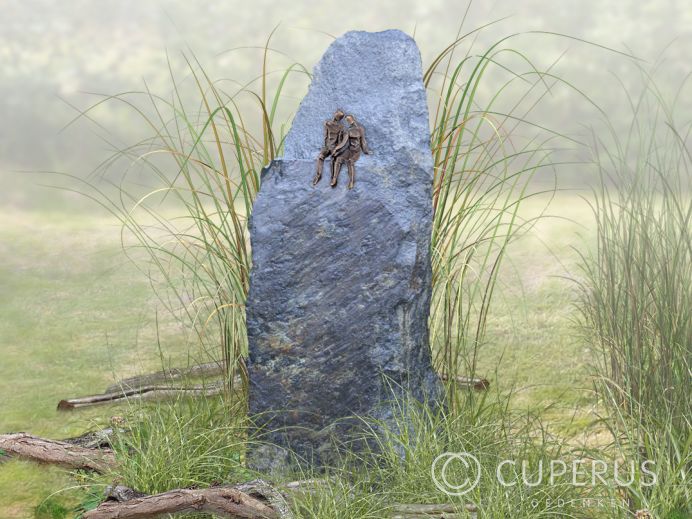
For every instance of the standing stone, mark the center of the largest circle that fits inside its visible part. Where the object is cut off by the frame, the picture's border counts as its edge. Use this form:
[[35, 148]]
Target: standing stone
[[337, 313]]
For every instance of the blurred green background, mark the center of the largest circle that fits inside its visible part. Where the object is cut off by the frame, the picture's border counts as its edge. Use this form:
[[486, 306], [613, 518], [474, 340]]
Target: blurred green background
[[57, 58], [74, 312]]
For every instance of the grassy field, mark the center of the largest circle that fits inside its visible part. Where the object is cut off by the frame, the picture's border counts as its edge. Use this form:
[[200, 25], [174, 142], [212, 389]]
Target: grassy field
[[75, 314], [533, 347]]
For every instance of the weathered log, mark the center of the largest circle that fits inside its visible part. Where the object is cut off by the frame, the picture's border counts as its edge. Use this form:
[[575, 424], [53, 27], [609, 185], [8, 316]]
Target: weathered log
[[61, 453], [208, 369], [101, 439], [273, 499], [267, 493], [140, 393], [222, 501], [257, 488], [151, 387], [145, 387], [478, 384]]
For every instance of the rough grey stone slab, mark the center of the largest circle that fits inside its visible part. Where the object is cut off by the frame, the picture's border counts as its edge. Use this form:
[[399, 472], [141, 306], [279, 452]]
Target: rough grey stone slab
[[340, 286]]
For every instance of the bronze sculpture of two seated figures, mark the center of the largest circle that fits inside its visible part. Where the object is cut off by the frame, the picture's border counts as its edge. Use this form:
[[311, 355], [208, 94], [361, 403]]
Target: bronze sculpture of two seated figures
[[342, 145]]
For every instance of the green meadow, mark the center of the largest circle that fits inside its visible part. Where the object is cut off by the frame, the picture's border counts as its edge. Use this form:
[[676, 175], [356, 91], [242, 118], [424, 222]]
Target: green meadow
[[576, 305], [77, 314]]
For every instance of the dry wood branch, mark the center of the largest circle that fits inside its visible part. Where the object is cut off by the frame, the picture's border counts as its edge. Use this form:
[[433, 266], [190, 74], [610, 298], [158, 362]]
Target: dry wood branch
[[255, 499], [257, 488], [153, 387], [201, 370], [141, 393], [61, 453], [222, 501], [101, 439], [478, 384]]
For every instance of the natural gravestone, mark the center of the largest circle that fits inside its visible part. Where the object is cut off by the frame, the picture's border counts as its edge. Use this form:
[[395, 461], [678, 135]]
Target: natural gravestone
[[337, 313]]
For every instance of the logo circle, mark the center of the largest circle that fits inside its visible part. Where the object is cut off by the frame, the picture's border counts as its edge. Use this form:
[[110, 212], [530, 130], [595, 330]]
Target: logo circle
[[470, 463]]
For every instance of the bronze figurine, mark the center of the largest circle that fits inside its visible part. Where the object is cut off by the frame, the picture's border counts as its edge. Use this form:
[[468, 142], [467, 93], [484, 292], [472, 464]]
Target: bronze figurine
[[348, 150], [333, 131]]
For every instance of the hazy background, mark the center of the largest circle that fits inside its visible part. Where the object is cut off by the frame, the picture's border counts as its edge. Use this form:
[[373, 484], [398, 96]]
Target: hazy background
[[75, 314], [57, 57]]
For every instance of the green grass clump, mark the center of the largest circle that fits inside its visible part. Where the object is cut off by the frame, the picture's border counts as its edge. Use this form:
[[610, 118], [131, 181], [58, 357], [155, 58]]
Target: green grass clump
[[486, 152], [397, 467], [636, 297], [187, 443]]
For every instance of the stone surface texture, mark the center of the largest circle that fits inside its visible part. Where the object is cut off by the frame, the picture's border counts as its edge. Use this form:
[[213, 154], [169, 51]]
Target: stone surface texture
[[340, 286]]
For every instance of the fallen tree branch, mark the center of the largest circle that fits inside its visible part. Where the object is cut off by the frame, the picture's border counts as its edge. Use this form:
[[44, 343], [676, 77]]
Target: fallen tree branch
[[153, 386], [140, 393], [255, 499], [257, 488], [478, 384], [148, 387], [61, 453], [223, 501], [201, 370], [101, 439]]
